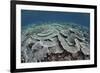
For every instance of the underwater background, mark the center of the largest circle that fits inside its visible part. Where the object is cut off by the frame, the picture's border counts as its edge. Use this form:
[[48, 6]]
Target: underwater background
[[54, 36], [30, 17]]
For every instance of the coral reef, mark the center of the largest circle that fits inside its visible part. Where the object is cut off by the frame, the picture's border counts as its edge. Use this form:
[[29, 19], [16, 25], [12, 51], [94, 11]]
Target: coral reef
[[55, 42]]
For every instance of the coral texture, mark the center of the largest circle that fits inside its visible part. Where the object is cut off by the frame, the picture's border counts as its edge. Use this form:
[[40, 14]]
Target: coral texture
[[55, 42]]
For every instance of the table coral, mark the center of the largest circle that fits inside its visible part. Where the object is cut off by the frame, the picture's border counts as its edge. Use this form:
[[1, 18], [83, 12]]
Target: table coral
[[54, 42]]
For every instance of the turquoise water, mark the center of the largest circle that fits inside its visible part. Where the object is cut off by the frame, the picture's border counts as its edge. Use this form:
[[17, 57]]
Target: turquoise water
[[30, 17]]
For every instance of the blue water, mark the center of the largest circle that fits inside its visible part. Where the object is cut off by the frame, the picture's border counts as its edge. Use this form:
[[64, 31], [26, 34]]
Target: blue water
[[29, 17]]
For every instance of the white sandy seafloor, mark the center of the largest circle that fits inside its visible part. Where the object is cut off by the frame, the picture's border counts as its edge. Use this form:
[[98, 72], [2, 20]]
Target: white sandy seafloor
[[55, 42]]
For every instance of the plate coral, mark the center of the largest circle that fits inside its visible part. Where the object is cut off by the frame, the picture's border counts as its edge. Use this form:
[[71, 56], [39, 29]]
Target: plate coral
[[55, 42]]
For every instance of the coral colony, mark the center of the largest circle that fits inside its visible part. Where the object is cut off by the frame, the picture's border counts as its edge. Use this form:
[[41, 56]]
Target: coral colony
[[55, 42]]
